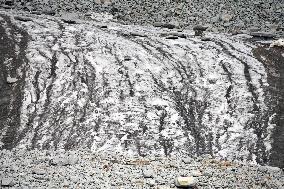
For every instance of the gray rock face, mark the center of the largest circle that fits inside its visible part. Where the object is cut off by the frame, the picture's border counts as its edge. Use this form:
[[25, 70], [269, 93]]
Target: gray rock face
[[79, 91]]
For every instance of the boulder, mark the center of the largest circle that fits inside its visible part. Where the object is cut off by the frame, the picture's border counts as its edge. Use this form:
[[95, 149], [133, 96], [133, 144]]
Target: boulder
[[148, 173], [38, 171], [64, 161], [11, 80], [226, 17], [187, 160], [195, 173], [185, 182], [199, 29], [7, 182], [277, 43]]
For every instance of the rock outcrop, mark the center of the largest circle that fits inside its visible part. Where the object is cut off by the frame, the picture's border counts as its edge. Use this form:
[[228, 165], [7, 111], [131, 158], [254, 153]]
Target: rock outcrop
[[81, 85]]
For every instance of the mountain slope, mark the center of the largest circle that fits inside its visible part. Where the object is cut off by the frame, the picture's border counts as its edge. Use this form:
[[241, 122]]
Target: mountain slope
[[141, 90]]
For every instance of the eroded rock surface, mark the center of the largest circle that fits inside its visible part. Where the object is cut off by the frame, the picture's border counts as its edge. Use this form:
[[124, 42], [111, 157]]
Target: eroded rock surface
[[81, 85]]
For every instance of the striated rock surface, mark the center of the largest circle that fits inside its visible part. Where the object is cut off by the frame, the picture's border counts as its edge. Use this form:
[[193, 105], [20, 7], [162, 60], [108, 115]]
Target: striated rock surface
[[103, 88]]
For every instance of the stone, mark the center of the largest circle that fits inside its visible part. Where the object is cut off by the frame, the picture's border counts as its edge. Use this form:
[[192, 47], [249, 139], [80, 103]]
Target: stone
[[70, 18], [7, 181], [263, 34], [148, 173], [215, 19], [151, 182], [11, 80], [273, 169], [138, 34], [72, 160], [164, 25], [74, 179], [195, 173], [254, 29], [277, 43], [185, 182], [22, 18], [65, 184], [205, 38], [127, 58], [200, 27], [187, 160], [38, 171], [226, 17]]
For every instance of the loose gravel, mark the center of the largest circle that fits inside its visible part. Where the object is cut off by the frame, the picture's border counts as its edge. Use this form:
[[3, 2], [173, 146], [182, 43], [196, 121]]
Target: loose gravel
[[86, 169]]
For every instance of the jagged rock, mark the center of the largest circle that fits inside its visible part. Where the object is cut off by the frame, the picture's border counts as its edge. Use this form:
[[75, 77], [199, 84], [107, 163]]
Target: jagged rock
[[199, 29], [185, 182]]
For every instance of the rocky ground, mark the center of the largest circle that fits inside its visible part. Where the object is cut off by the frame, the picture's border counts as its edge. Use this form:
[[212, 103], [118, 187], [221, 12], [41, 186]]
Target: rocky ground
[[219, 15], [143, 99], [85, 169]]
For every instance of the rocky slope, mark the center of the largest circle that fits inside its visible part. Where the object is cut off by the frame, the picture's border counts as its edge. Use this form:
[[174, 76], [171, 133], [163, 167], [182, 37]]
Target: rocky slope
[[140, 90], [84, 169], [220, 15]]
